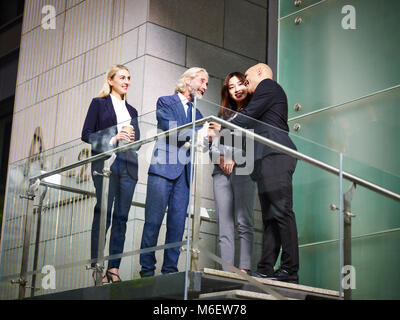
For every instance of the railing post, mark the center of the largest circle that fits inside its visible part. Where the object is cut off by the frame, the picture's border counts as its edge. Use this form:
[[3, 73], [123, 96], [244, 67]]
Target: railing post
[[30, 197], [38, 229], [196, 213], [340, 224], [347, 216], [103, 218]]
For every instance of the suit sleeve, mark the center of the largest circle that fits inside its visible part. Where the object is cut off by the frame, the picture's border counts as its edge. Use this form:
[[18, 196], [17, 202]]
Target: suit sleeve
[[166, 119], [260, 103], [90, 124], [99, 139]]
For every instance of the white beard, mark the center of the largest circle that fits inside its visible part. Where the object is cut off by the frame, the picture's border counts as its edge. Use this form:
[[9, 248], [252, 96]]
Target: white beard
[[194, 93]]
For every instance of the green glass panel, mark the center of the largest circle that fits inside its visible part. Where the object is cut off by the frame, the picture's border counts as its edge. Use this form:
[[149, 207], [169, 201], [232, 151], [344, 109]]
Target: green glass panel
[[319, 265], [377, 263], [313, 192], [287, 7], [322, 64], [366, 130], [375, 260]]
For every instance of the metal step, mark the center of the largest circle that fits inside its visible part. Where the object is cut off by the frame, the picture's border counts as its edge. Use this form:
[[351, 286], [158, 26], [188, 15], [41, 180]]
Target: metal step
[[236, 295]]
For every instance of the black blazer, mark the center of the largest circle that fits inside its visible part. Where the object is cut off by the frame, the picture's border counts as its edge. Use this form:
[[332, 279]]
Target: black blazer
[[267, 114], [101, 125]]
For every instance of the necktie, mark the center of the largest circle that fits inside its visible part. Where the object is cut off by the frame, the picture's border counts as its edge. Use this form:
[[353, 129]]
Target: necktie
[[189, 111]]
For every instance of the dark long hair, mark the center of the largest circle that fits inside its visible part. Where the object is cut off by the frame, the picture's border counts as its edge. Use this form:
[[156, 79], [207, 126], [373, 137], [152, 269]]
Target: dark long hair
[[227, 103]]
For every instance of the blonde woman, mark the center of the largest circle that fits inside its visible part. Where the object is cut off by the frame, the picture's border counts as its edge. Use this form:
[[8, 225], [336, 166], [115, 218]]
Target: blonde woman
[[105, 128]]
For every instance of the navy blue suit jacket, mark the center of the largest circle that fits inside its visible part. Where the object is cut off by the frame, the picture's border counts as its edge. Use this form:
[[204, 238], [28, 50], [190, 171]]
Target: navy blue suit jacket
[[170, 158], [101, 125]]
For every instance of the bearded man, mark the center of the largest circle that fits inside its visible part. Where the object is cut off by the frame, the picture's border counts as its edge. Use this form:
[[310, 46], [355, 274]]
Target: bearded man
[[169, 172]]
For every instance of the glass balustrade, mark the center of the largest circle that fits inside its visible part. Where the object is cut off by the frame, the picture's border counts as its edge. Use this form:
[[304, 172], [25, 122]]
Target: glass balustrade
[[59, 218]]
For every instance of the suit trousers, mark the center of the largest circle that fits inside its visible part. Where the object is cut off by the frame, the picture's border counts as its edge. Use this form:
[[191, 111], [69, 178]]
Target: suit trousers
[[163, 192], [234, 200], [120, 194], [274, 180]]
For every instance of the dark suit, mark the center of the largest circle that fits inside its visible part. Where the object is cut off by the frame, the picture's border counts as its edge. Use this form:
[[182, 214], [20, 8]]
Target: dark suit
[[167, 185], [267, 114], [99, 127]]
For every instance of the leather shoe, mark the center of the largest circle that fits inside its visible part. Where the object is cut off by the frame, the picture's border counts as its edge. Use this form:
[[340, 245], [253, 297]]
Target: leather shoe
[[285, 276], [258, 274], [146, 274]]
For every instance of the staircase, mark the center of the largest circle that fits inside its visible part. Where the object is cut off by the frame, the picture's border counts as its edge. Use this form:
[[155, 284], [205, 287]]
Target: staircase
[[208, 284], [218, 283]]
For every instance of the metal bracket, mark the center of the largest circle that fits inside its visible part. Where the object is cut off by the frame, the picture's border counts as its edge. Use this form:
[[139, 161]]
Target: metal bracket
[[106, 173], [28, 196], [31, 193], [348, 196], [193, 250], [348, 214], [19, 281], [23, 283], [97, 267]]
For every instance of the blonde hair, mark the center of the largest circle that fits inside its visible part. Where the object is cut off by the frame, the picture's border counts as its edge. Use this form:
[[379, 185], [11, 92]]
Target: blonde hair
[[192, 72], [106, 89]]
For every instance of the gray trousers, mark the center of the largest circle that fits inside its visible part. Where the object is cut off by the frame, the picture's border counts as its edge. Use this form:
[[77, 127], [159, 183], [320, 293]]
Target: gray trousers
[[234, 200]]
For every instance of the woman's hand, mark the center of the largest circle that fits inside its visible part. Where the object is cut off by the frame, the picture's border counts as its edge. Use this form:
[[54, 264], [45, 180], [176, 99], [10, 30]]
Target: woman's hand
[[215, 126], [212, 133], [226, 165], [213, 130], [125, 136]]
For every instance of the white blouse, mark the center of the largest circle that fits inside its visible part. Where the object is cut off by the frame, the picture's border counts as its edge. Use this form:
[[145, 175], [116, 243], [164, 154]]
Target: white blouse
[[122, 113]]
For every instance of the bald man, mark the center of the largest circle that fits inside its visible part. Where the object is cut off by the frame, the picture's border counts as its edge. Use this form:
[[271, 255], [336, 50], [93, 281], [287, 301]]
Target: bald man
[[267, 114]]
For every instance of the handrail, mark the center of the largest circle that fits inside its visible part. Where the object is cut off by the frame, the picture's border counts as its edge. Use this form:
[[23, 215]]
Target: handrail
[[296, 154], [116, 150]]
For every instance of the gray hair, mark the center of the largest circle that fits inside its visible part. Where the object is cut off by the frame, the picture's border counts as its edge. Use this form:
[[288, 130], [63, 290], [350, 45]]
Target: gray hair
[[192, 72]]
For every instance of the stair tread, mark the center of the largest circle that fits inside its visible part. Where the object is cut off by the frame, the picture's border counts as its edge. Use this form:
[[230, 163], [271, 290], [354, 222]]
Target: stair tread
[[273, 282], [238, 294]]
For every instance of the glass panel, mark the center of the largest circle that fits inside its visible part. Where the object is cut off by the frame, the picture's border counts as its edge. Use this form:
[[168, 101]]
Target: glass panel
[[61, 234], [321, 64], [364, 130]]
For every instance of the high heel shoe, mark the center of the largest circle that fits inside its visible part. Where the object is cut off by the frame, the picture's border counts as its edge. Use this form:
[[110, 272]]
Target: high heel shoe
[[104, 278], [110, 275]]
